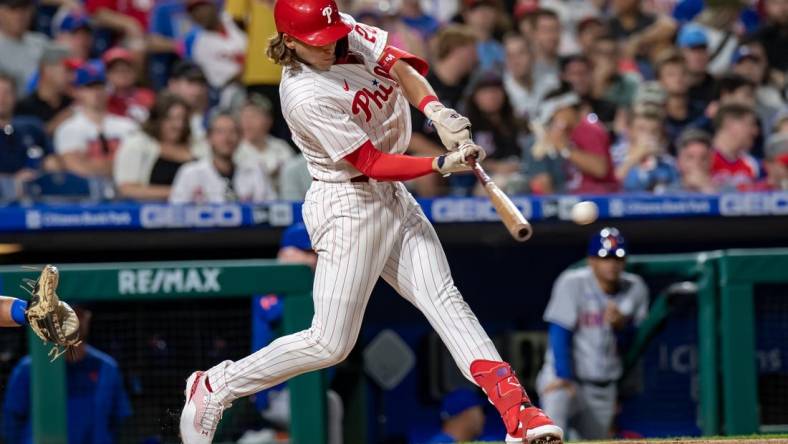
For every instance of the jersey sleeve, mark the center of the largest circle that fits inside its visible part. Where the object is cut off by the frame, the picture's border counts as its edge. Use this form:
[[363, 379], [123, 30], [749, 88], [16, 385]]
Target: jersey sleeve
[[365, 40], [328, 127], [562, 308], [372, 44]]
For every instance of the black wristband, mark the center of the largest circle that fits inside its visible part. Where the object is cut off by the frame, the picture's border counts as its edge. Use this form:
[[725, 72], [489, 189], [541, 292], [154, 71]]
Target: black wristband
[[441, 161]]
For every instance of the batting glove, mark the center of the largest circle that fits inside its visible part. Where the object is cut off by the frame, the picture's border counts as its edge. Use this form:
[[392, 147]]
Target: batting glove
[[457, 161], [453, 128]]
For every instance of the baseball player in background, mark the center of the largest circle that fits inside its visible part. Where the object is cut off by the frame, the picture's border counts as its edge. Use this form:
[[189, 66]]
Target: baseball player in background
[[588, 308], [345, 95]]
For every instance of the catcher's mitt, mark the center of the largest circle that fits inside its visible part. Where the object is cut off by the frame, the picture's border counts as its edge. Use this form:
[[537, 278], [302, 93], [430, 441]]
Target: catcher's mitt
[[51, 319]]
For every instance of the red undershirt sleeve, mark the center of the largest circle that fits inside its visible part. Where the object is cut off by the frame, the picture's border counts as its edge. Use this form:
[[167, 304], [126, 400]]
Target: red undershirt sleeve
[[388, 167]]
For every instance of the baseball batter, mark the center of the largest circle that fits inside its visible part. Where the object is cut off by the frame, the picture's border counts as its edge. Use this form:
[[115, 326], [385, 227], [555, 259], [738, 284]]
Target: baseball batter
[[589, 306], [345, 95]]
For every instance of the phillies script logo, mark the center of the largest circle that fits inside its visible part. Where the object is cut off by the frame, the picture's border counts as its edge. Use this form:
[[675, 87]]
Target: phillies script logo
[[365, 97]]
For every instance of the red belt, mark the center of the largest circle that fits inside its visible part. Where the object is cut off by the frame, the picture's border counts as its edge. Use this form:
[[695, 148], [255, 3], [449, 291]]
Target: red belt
[[354, 179]]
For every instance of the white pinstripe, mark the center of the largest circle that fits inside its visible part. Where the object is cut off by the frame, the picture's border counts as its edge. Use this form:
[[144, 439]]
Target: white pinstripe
[[361, 231]]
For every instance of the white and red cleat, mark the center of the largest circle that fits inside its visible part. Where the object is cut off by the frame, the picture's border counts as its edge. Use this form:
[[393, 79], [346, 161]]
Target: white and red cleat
[[202, 411], [539, 428], [524, 423]]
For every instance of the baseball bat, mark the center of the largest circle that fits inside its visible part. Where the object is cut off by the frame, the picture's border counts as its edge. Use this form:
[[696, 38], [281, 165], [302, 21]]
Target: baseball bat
[[511, 217]]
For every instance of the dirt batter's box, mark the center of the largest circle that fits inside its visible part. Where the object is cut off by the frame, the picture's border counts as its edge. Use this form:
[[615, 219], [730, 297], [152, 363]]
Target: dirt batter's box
[[141, 281]]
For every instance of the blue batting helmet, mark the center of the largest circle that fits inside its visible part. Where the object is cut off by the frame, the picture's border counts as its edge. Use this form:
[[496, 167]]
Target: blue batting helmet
[[607, 243]]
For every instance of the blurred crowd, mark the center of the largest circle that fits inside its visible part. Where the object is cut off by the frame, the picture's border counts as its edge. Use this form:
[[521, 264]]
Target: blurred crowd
[[175, 100]]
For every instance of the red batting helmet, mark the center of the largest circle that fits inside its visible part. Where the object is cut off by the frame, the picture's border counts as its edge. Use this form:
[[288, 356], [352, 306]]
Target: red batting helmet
[[314, 22]]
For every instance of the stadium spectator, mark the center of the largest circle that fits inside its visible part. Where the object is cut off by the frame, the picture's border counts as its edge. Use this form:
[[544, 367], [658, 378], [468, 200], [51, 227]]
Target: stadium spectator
[[50, 101], [570, 13], [773, 35], [589, 308], [425, 24], [385, 15], [731, 88], [96, 404], [147, 161], [749, 61], [74, 31], [495, 127], [680, 110], [260, 74], [694, 161], [483, 16], [776, 164], [589, 30], [525, 91], [219, 46], [462, 417], [719, 21], [169, 27], [608, 82], [546, 41], [187, 80], [646, 166], [125, 97], [295, 179], [21, 49], [258, 146], [732, 166], [127, 19], [641, 33], [524, 12], [570, 153], [576, 72], [694, 46], [454, 59], [218, 179], [780, 122], [25, 149], [87, 140]]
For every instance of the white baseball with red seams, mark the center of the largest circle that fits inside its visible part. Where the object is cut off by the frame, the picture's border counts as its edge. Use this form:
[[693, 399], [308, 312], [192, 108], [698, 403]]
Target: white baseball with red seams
[[360, 230]]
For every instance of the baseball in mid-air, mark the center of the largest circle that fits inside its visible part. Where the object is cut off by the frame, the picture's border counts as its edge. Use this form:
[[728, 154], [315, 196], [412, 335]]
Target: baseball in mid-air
[[585, 212]]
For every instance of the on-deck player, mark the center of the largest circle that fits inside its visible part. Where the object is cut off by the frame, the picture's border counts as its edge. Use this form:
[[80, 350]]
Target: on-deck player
[[589, 306], [345, 96]]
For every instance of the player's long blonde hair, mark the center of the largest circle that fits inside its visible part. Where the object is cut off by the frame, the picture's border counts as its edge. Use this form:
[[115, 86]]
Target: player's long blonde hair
[[281, 54]]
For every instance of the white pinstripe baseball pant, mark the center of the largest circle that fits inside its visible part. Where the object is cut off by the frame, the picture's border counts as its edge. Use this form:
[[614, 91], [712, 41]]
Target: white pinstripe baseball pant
[[362, 231]]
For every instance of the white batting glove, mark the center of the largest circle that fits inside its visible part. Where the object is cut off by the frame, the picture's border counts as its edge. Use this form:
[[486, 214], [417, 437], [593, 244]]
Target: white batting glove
[[457, 161], [453, 128]]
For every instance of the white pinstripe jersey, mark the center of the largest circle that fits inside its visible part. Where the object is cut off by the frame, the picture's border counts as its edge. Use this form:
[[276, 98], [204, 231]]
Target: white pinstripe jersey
[[332, 113]]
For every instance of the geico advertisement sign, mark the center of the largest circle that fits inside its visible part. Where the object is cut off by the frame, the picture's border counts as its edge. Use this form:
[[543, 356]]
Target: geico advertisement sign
[[754, 204], [472, 210], [160, 280], [197, 216]]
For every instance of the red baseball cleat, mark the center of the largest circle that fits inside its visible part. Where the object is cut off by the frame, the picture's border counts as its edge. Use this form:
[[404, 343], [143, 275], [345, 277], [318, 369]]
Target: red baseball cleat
[[538, 427], [524, 422]]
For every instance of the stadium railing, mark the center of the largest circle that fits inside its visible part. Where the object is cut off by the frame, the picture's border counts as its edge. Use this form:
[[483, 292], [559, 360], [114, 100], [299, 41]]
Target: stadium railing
[[742, 306]]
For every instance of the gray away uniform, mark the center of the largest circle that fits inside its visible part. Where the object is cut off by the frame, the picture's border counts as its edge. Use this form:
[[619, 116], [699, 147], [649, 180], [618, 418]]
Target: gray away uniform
[[578, 304]]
